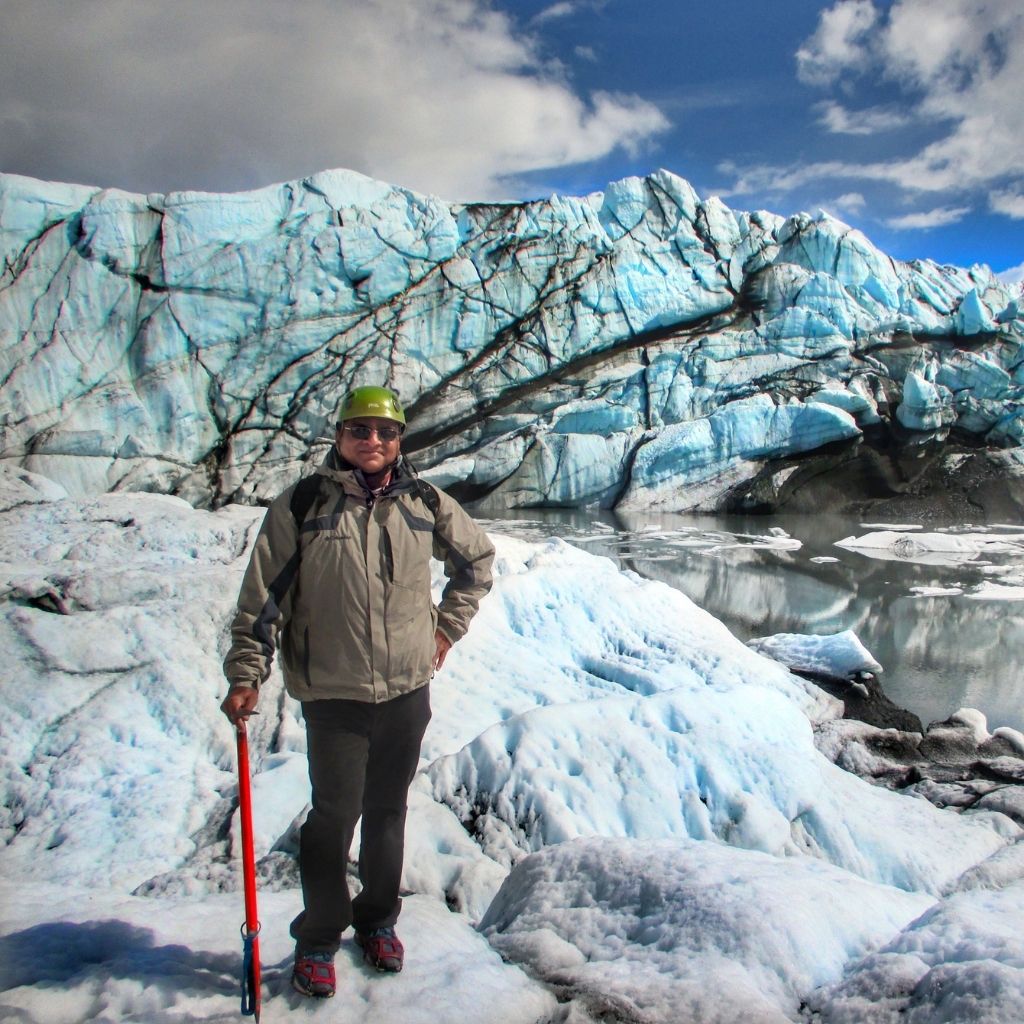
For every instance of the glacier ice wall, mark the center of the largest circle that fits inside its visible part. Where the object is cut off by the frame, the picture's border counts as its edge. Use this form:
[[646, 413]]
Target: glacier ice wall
[[638, 348]]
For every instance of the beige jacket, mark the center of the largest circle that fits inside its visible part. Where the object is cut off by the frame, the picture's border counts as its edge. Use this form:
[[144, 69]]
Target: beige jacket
[[347, 596]]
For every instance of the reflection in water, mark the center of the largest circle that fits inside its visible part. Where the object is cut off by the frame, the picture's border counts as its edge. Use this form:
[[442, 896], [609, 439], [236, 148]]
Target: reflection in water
[[939, 653]]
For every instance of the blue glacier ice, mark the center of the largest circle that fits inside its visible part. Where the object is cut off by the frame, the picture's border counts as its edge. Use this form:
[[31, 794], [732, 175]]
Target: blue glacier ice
[[636, 347]]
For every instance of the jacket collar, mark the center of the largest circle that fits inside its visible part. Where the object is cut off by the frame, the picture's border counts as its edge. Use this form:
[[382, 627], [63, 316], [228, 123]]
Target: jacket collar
[[351, 477]]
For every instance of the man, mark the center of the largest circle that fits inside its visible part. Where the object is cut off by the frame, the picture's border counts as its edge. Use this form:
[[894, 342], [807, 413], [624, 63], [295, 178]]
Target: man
[[340, 575]]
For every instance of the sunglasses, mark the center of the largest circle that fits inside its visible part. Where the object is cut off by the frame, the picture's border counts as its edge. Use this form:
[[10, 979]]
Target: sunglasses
[[363, 433]]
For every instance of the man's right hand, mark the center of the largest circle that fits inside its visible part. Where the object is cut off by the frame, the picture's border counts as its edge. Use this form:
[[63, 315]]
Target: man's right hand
[[240, 703]]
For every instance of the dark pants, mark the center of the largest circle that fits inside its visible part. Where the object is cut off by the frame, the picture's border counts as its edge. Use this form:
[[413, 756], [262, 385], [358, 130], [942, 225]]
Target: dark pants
[[362, 760]]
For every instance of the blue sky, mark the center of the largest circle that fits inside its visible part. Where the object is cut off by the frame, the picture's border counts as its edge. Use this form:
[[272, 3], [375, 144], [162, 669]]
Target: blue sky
[[761, 90], [902, 118]]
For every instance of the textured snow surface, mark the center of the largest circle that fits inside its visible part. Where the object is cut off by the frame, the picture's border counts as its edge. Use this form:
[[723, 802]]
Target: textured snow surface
[[69, 954], [617, 794], [643, 926], [960, 961]]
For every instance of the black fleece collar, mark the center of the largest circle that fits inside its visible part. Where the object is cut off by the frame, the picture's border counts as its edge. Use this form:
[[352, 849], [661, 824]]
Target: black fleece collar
[[401, 475]]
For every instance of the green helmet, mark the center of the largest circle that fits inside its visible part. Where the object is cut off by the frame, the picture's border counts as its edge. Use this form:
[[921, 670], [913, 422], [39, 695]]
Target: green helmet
[[371, 401]]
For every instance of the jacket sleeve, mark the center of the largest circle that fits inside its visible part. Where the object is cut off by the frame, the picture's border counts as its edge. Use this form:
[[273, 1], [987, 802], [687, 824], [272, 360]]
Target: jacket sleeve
[[264, 601], [467, 554]]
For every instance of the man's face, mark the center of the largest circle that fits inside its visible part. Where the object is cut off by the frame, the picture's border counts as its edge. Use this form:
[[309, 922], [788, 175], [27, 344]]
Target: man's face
[[371, 454]]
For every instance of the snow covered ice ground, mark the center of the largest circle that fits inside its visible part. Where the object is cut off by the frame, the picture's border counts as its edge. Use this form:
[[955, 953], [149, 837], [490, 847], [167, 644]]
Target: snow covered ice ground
[[621, 815]]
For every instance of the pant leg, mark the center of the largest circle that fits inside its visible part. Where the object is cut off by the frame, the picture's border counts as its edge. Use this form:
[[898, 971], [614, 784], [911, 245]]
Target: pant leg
[[394, 752], [338, 741]]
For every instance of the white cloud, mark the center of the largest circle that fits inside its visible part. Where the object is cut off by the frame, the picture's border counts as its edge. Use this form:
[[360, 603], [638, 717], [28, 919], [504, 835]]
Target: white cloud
[[838, 42], [840, 121], [966, 61], [559, 10], [959, 67], [937, 218], [585, 53], [444, 96], [851, 201], [1008, 201], [1013, 275], [930, 43], [567, 8], [841, 206], [771, 179]]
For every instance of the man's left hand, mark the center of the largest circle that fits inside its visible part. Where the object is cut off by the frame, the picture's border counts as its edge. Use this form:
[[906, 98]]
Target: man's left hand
[[442, 646]]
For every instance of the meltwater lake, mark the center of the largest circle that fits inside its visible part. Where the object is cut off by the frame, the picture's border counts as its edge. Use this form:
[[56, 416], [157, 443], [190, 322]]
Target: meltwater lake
[[939, 605]]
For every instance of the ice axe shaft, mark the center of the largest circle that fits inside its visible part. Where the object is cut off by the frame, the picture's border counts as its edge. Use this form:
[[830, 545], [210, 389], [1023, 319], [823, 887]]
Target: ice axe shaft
[[251, 929]]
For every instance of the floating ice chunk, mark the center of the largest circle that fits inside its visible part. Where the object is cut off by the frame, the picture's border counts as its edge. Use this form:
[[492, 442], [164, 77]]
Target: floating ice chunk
[[932, 548], [996, 592], [840, 655], [900, 527]]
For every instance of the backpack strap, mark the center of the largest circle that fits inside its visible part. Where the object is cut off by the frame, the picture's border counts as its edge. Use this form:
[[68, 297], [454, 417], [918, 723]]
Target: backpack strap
[[428, 492], [307, 490]]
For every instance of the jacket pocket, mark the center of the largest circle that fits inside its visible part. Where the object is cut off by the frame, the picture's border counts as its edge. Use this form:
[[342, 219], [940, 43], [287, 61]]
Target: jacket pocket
[[389, 556], [295, 651], [305, 657]]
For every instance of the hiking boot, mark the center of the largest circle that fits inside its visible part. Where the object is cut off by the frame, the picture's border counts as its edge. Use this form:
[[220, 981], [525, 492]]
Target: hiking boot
[[313, 975], [382, 949]]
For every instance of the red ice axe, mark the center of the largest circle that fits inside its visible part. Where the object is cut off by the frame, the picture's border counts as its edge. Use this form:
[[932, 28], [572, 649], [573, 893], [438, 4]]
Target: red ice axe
[[251, 928]]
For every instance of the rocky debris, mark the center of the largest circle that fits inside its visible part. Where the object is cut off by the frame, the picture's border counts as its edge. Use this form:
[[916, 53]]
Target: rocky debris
[[865, 701], [955, 763]]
